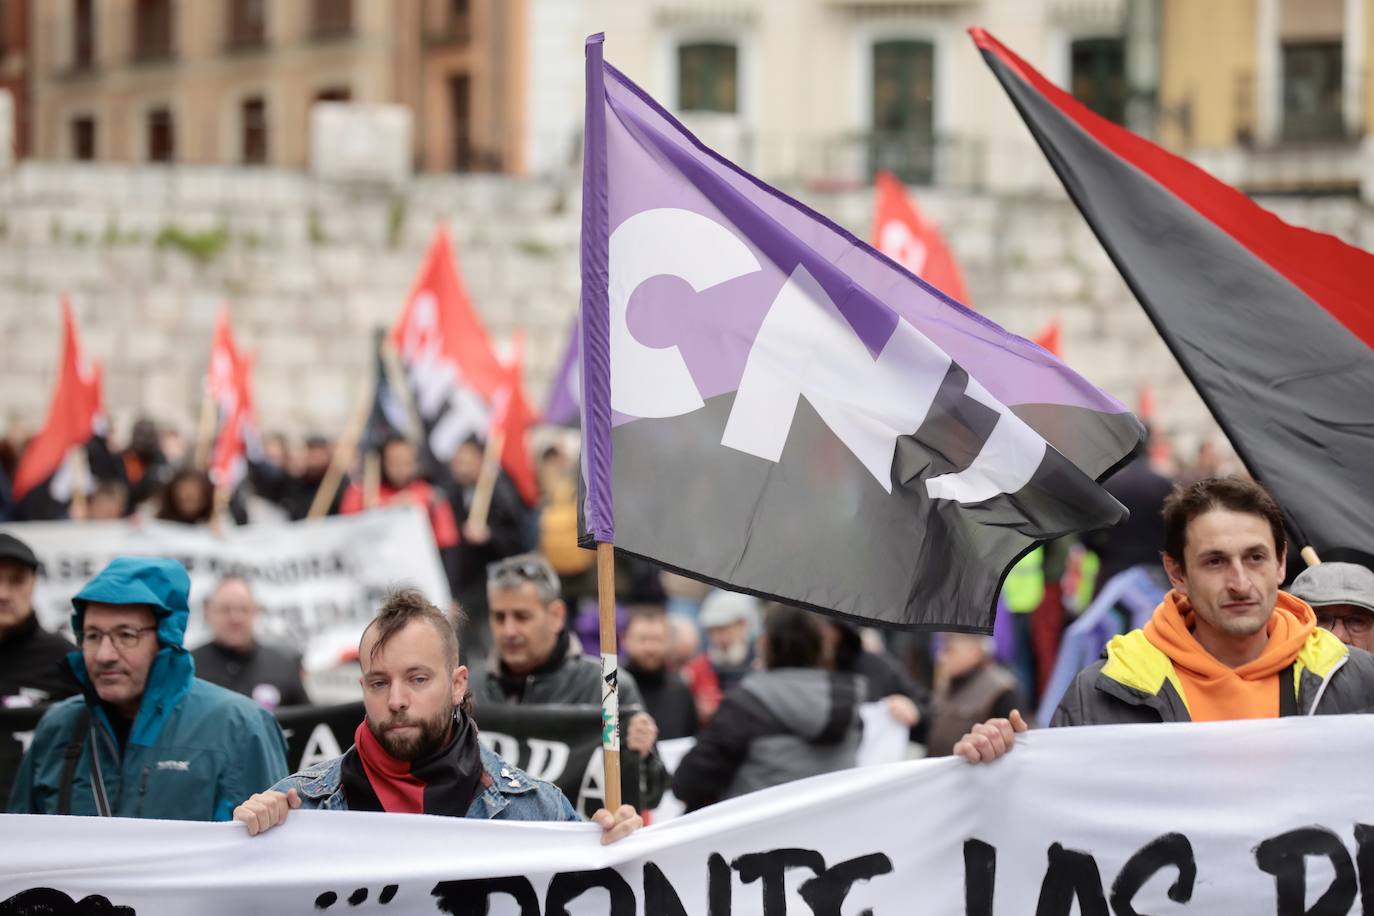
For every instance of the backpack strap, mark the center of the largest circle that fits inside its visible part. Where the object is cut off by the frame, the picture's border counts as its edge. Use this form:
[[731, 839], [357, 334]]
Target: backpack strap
[[70, 755], [102, 803]]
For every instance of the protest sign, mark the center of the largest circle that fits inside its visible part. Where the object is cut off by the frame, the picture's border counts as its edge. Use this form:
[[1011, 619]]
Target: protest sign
[[318, 582], [1195, 818]]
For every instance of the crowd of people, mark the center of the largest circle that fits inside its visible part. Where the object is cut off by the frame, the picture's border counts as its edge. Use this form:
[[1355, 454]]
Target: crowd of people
[[138, 725]]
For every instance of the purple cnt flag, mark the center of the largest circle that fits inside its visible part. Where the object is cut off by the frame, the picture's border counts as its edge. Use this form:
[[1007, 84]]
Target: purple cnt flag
[[773, 406], [564, 406]]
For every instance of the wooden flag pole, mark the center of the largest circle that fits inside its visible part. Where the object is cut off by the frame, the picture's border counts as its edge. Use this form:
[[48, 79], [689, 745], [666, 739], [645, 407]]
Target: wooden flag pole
[[372, 480], [80, 476], [486, 479], [610, 674], [219, 507], [1309, 556], [205, 431], [344, 450], [400, 388]]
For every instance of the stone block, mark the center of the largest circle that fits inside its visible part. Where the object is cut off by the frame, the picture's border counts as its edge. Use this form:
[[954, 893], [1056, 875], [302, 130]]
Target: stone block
[[169, 393], [287, 350], [352, 141]]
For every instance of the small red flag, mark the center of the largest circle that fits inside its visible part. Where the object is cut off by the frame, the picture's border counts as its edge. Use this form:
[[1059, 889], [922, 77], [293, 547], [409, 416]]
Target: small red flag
[[903, 235], [454, 372], [72, 416], [228, 380], [1049, 338]]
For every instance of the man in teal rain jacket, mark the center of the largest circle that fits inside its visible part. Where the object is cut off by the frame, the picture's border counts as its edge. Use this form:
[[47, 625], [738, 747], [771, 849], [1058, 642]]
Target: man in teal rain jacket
[[164, 743]]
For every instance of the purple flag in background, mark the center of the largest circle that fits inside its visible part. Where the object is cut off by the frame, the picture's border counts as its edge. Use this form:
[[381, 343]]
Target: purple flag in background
[[773, 406], [565, 399]]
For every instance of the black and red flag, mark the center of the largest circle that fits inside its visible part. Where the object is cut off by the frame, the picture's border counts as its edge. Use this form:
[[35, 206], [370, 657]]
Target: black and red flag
[[1273, 324]]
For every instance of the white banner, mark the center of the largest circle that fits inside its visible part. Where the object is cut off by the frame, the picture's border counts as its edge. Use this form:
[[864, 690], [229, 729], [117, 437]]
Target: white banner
[[318, 582], [1225, 818]]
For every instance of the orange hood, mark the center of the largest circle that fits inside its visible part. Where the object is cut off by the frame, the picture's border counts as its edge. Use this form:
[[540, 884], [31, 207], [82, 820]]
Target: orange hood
[[1211, 689]]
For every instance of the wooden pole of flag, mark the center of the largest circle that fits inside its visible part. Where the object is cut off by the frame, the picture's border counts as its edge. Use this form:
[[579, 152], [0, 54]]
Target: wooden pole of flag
[[80, 477], [372, 480], [205, 431], [1309, 556], [486, 479], [400, 389], [610, 674], [219, 507], [344, 450]]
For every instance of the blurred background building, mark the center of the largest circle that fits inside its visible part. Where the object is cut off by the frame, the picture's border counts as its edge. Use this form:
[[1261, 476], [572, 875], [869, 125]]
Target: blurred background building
[[292, 157]]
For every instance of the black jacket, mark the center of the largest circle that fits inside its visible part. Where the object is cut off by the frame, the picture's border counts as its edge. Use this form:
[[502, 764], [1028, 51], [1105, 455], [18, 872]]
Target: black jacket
[[572, 678], [270, 676], [509, 523], [31, 665], [669, 700]]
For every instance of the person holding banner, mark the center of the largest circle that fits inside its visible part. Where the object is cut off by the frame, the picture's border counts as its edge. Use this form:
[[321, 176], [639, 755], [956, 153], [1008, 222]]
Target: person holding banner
[[537, 660], [31, 671], [416, 751], [1225, 643], [146, 738]]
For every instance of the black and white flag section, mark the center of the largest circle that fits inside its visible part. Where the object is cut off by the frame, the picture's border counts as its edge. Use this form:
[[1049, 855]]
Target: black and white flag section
[[1272, 323], [772, 405]]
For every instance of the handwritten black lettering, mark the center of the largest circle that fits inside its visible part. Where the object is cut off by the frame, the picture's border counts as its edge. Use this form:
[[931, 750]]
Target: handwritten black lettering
[[980, 877], [1071, 875], [1161, 852], [1285, 857], [472, 896], [826, 892]]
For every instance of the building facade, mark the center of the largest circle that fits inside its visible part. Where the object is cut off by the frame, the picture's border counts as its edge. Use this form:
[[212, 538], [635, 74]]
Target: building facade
[[14, 75], [1273, 95], [233, 81]]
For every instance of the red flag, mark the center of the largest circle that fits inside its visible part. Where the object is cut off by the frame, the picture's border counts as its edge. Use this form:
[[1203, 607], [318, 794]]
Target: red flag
[[512, 414], [1145, 403], [900, 233], [72, 416], [228, 381], [454, 373], [1049, 338]]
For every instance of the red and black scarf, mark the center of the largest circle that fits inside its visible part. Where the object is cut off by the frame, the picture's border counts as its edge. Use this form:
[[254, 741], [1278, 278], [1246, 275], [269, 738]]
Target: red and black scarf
[[446, 782]]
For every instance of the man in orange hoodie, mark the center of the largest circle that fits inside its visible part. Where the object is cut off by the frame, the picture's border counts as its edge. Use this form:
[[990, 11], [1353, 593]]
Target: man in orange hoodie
[[1224, 644]]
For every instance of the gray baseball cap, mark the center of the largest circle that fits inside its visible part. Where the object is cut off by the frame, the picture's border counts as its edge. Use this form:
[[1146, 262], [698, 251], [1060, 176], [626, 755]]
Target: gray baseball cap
[[1335, 583]]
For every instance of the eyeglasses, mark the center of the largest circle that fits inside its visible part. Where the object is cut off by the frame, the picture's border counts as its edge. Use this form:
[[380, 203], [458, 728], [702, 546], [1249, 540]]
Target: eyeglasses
[[122, 637], [1356, 623]]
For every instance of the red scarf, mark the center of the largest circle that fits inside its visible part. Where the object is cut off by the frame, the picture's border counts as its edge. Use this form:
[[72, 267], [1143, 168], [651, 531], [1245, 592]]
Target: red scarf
[[445, 783]]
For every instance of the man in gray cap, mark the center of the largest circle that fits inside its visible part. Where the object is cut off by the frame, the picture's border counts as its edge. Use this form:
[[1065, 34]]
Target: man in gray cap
[[31, 670], [1342, 595]]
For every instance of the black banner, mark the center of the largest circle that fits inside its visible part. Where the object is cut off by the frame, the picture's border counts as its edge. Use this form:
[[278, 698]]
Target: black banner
[[560, 744]]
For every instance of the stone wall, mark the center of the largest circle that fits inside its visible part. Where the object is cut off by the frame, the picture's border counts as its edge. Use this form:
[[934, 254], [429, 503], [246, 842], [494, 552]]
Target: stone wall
[[309, 268]]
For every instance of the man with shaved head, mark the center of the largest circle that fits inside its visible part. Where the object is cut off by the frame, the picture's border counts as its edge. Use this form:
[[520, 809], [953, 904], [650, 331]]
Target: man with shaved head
[[416, 750]]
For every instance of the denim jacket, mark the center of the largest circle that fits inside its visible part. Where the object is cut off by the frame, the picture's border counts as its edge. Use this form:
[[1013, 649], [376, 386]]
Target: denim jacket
[[508, 793]]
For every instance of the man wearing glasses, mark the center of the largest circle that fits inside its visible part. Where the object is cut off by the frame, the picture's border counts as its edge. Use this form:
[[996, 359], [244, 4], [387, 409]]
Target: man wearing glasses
[[1342, 595], [146, 737]]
